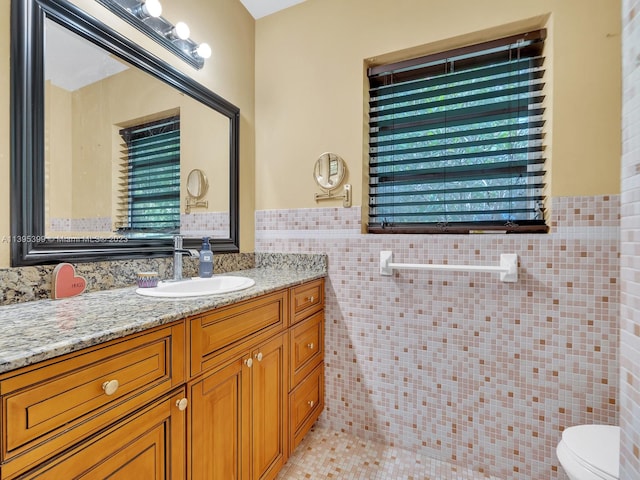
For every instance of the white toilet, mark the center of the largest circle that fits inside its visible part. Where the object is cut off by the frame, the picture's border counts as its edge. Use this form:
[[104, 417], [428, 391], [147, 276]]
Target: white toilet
[[590, 452]]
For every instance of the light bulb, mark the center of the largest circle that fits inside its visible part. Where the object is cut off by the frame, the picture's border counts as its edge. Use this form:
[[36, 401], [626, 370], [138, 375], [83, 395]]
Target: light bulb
[[153, 8], [181, 30], [148, 8], [203, 50]]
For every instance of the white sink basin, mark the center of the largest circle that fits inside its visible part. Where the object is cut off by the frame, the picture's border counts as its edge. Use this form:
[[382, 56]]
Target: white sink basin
[[196, 286]]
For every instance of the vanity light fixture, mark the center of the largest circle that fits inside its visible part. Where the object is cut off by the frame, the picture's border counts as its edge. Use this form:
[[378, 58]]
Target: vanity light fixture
[[145, 15]]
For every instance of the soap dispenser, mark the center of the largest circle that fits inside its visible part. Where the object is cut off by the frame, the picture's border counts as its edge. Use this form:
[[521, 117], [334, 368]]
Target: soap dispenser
[[205, 269]]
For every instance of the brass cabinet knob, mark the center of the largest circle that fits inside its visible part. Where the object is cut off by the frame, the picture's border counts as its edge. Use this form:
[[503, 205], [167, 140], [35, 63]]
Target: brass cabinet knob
[[182, 404], [311, 298], [258, 356], [248, 362], [110, 387], [311, 403], [310, 346]]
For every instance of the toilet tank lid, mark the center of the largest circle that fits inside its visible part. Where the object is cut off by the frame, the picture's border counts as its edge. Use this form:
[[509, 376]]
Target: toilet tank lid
[[596, 445]]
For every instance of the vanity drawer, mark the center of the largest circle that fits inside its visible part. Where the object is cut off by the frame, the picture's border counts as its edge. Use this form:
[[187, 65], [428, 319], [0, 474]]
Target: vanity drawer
[[147, 445], [306, 299], [305, 405], [50, 407], [228, 329], [306, 347]]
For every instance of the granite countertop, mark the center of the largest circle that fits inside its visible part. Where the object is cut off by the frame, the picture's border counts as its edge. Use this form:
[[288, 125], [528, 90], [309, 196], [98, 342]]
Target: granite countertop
[[43, 329]]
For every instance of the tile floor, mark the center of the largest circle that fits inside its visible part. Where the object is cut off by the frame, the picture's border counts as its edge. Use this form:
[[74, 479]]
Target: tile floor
[[335, 455]]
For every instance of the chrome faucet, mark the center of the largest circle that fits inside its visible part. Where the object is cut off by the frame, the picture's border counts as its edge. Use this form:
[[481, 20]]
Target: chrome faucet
[[178, 252]]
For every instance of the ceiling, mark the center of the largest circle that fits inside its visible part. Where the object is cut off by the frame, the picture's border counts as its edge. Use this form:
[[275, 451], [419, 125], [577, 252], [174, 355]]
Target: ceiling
[[72, 63], [262, 8]]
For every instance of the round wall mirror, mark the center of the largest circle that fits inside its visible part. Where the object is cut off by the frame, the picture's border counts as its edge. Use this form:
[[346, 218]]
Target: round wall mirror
[[197, 184], [329, 171]]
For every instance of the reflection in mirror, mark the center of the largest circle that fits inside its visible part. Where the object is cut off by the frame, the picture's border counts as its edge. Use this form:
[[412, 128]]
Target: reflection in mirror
[[329, 171], [197, 184], [197, 187], [116, 141], [103, 134]]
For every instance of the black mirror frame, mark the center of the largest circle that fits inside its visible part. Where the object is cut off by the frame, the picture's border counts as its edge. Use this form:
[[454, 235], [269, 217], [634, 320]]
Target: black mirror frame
[[28, 243]]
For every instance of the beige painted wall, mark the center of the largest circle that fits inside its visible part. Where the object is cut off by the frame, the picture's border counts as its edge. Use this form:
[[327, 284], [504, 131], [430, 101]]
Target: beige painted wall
[[84, 132], [311, 85], [58, 133], [227, 27]]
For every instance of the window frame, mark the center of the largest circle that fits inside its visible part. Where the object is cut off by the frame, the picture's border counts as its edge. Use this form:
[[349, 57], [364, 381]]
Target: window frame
[[425, 69], [129, 222]]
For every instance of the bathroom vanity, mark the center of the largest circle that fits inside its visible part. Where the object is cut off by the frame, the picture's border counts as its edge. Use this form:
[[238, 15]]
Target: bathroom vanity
[[124, 386]]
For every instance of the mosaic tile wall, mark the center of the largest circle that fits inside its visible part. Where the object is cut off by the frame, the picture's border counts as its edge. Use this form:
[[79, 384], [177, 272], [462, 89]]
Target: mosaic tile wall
[[630, 245], [460, 366], [198, 224], [205, 224], [101, 224]]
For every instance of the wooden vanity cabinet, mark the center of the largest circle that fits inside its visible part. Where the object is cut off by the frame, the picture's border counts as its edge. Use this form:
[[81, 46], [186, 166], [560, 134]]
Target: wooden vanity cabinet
[[306, 299], [237, 418], [224, 333], [149, 445], [268, 408], [49, 407], [306, 359], [219, 425], [306, 402], [306, 341], [223, 395], [254, 397]]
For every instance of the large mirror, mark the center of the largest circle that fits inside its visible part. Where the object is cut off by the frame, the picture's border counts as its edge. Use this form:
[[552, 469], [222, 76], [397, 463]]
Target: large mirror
[[104, 137]]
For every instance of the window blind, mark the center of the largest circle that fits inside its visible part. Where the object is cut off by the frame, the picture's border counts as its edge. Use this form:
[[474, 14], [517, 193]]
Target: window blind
[[150, 178], [457, 142]]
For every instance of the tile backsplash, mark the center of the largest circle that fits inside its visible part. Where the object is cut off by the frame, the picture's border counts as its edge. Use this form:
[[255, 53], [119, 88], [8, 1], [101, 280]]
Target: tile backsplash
[[460, 366], [205, 224]]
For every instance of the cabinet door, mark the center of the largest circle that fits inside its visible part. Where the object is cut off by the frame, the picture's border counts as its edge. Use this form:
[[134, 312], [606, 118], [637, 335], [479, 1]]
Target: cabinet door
[[219, 421], [148, 445], [268, 408]]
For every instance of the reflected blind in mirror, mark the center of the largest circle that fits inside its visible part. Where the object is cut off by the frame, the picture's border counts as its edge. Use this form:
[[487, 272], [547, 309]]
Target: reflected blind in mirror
[[456, 140], [149, 199]]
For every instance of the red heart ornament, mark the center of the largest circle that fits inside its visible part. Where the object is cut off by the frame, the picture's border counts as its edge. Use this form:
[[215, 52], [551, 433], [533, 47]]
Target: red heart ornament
[[66, 283]]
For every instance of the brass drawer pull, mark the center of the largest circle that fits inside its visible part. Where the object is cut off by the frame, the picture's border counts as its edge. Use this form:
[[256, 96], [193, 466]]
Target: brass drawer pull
[[110, 387], [182, 404]]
